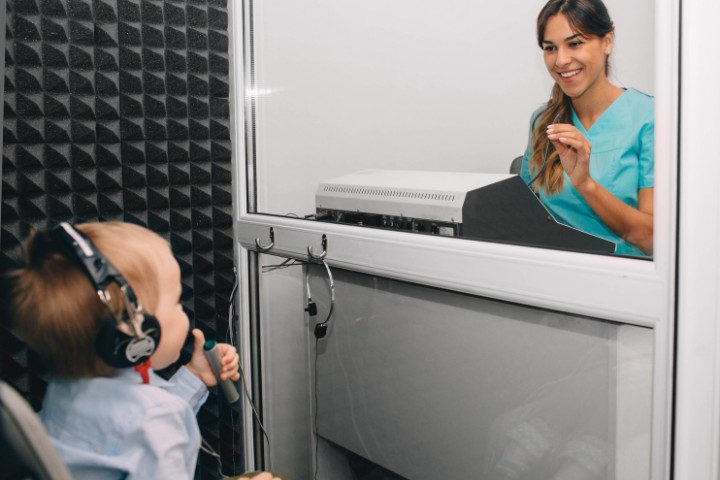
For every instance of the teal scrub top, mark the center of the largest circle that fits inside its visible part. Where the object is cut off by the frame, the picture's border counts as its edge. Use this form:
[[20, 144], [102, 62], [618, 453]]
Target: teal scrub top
[[621, 160]]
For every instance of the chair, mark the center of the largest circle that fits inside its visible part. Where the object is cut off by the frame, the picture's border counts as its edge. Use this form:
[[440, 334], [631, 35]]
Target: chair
[[27, 452], [516, 164]]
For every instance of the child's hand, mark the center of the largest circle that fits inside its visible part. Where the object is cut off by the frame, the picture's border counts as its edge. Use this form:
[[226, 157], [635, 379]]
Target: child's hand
[[229, 361]]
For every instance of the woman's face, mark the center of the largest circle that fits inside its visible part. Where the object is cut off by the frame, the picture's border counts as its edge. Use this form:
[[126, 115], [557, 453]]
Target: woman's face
[[576, 62]]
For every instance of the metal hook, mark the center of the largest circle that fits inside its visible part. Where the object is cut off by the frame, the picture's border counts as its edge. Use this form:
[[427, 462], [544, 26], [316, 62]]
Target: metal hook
[[320, 257], [266, 248]]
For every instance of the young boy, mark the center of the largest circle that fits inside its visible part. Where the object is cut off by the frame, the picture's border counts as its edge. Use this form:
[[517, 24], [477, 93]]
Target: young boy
[[107, 422]]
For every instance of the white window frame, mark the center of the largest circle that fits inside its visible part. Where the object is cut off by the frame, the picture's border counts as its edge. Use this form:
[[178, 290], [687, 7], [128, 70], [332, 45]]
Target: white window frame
[[697, 399], [623, 290]]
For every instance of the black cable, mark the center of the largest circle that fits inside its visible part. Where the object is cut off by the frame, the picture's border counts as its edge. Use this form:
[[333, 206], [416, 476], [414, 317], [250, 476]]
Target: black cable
[[290, 262], [257, 417], [318, 336], [545, 156], [232, 315], [315, 414], [542, 167]]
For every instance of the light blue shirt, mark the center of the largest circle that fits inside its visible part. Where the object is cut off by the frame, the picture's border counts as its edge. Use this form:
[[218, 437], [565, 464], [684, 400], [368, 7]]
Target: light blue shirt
[[622, 160], [118, 428]]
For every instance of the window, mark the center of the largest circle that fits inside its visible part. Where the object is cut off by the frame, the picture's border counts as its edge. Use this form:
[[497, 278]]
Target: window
[[289, 149], [435, 99]]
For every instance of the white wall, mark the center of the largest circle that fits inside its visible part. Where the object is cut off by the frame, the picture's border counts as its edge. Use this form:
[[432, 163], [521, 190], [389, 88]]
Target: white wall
[[408, 84]]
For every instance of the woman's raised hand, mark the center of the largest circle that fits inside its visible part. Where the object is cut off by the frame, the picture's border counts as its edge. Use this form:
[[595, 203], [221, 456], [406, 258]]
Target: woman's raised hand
[[574, 150]]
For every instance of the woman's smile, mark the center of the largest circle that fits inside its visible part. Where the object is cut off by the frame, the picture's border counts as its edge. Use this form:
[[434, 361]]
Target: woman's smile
[[569, 74]]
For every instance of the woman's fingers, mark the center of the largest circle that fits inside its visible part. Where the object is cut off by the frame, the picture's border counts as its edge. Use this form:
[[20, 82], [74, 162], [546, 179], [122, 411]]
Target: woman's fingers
[[562, 127], [568, 135], [559, 146], [572, 143]]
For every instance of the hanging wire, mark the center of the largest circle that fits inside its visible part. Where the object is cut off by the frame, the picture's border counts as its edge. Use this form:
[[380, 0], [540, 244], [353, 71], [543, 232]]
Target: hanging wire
[[232, 316]]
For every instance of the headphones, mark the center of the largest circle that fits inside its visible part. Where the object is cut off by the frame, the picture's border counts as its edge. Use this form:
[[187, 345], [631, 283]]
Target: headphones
[[320, 329], [130, 337]]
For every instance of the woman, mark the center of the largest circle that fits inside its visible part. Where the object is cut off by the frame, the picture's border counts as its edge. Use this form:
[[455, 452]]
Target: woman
[[598, 175]]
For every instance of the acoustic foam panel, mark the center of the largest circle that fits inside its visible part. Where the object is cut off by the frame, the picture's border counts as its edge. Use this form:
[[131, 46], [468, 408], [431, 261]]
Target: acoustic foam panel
[[118, 110]]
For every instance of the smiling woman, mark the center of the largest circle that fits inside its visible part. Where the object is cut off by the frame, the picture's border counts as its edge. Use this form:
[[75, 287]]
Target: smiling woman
[[598, 177]]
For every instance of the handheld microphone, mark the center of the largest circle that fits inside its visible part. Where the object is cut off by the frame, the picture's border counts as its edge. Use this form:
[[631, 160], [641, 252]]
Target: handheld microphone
[[212, 353]]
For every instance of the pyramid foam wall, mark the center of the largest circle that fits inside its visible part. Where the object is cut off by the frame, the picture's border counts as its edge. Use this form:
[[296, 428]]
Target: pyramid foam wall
[[118, 110]]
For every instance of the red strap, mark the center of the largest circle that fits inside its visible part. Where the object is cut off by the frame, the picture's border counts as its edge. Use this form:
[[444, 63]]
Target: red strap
[[142, 369]]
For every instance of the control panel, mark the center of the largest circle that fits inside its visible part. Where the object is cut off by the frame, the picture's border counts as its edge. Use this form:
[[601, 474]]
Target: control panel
[[416, 225]]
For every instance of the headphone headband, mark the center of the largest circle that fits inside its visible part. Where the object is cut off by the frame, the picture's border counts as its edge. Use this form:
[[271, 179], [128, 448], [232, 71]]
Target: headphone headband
[[97, 267]]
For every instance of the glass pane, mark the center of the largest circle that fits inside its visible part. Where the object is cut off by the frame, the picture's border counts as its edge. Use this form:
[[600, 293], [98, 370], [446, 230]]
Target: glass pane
[[400, 88], [419, 383]]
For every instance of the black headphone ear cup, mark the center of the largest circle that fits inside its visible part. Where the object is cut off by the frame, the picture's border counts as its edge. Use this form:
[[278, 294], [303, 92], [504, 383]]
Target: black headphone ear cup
[[320, 330], [120, 350]]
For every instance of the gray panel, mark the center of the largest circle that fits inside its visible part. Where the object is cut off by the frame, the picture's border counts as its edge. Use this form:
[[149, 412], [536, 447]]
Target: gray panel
[[431, 384], [285, 370]]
